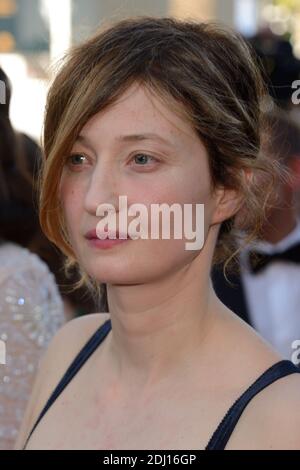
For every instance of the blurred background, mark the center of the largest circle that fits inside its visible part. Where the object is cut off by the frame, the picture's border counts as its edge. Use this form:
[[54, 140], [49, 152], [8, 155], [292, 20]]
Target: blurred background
[[35, 33]]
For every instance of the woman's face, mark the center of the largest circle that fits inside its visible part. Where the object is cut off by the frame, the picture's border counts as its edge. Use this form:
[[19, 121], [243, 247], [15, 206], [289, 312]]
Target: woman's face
[[168, 165]]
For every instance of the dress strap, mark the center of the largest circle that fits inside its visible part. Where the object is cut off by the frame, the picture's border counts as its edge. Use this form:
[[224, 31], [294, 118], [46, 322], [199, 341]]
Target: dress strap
[[75, 366], [223, 432]]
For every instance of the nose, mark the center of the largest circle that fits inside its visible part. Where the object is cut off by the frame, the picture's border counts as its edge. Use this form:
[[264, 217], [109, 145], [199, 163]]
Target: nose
[[102, 188]]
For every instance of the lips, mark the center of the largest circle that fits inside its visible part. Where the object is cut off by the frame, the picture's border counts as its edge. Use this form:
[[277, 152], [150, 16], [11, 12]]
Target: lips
[[92, 234]]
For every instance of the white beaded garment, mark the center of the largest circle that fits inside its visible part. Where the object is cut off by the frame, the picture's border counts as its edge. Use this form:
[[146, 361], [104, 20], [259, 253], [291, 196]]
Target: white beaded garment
[[31, 311]]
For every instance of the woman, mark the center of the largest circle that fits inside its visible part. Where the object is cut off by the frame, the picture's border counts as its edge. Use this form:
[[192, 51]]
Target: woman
[[160, 111], [31, 309]]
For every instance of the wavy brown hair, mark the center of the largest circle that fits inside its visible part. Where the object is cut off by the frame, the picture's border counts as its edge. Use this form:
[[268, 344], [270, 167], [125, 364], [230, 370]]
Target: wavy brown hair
[[205, 71]]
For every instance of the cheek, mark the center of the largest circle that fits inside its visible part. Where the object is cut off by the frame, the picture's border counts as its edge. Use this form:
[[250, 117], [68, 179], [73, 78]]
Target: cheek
[[186, 187], [71, 198], [183, 185]]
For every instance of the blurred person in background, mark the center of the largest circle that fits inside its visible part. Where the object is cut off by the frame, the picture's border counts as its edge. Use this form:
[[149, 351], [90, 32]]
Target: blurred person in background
[[266, 291], [31, 309]]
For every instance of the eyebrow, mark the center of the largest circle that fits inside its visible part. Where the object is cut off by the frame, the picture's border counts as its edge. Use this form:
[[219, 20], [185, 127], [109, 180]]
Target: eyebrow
[[132, 138], [145, 136]]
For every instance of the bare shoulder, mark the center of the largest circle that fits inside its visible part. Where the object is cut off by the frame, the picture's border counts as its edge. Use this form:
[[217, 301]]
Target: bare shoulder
[[66, 344], [63, 348], [272, 418]]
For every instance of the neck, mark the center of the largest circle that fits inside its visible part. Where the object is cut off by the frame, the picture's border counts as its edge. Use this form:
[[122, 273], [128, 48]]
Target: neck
[[158, 328]]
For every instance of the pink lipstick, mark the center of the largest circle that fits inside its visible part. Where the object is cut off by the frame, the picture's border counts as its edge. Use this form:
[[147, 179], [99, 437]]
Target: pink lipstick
[[106, 243]]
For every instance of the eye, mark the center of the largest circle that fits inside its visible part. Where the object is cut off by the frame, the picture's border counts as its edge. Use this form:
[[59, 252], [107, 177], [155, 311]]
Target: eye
[[141, 159], [75, 159]]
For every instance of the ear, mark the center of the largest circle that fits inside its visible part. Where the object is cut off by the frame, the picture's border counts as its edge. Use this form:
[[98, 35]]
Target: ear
[[228, 201], [294, 166]]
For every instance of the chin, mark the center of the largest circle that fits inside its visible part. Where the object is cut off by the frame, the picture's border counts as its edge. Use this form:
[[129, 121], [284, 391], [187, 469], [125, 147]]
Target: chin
[[111, 274], [123, 274]]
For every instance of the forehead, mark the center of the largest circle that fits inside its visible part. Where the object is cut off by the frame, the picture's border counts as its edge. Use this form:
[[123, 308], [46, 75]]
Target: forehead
[[139, 110]]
